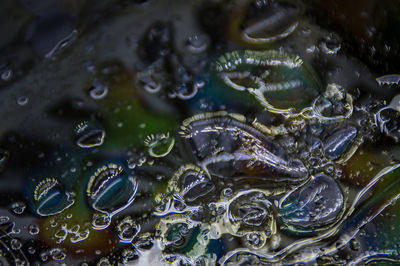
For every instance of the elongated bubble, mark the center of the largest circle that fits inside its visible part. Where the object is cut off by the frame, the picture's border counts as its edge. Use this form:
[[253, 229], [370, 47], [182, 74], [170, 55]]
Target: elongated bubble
[[230, 149], [278, 80]]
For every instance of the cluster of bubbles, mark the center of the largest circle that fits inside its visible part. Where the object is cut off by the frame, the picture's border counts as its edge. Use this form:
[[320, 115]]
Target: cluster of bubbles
[[230, 187]]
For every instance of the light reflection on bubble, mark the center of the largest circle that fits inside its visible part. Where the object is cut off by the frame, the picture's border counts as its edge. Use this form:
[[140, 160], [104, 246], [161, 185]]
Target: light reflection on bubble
[[109, 191], [50, 197]]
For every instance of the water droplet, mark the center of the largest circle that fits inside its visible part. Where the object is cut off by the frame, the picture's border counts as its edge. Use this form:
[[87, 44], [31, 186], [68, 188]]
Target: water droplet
[[227, 192], [148, 82], [191, 183], [311, 207], [160, 145], [4, 219], [88, 135], [255, 240], [16, 244], [7, 74], [251, 210], [18, 207], [51, 198], [269, 21], [98, 91], [197, 44], [57, 254], [330, 45], [22, 100], [354, 245], [339, 142], [189, 90], [104, 262], [129, 255], [127, 230], [33, 229], [111, 189], [31, 250]]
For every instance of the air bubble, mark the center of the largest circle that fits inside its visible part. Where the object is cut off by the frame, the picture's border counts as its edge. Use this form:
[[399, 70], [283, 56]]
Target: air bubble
[[127, 230], [4, 156], [89, 136], [50, 197], [330, 46], [22, 100], [159, 145], [110, 190], [33, 229], [197, 44], [18, 207], [7, 74], [16, 244], [98, 91]]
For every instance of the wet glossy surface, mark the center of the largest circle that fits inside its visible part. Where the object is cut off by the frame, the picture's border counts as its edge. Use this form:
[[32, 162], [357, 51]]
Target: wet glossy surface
[[199, 132]]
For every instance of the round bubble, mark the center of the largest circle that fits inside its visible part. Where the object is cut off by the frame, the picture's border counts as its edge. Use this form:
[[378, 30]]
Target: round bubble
[[313, 206]]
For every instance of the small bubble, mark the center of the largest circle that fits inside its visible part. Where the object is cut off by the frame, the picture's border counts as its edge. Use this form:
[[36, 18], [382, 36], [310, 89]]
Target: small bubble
[[89, 66], [31, 250], [148, 83], [98, 91], [89, 135], [16, 244], [127, 229], [227, 192], [22, 100], [4, 219], [104, 262], [18, 207], [159, 145], [330, 46], [33, 229], [354, 245], [57, 254], [197, 44], [44, 257], [101, 221], [7, 74]]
